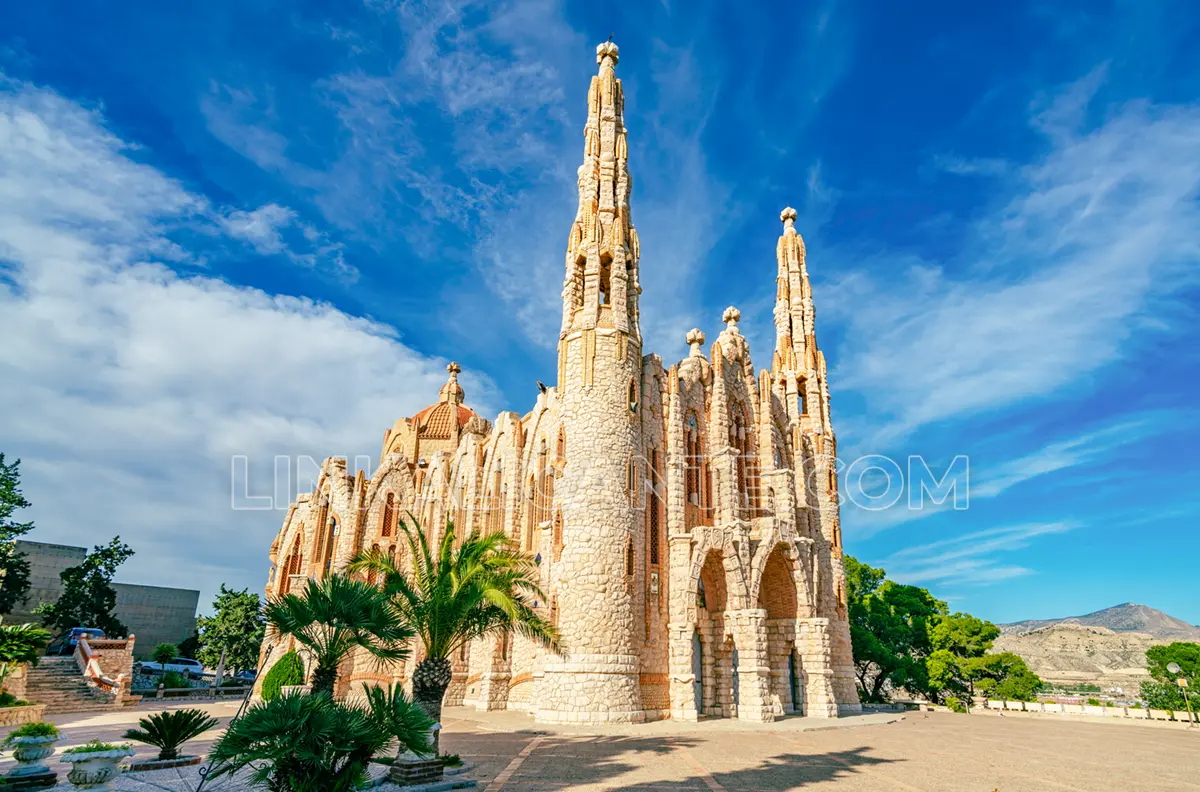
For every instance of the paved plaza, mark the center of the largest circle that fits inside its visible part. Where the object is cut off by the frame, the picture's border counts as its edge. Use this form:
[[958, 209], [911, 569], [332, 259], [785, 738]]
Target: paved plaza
[[933, 752]]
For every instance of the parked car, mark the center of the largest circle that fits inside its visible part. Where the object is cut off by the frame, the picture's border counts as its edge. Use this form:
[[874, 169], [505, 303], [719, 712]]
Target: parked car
[[65, 644], [182, 665], [246, 676]]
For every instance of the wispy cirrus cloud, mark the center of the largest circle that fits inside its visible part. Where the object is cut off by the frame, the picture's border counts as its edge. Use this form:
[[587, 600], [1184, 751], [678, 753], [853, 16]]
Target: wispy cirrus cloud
[[1067, 276]]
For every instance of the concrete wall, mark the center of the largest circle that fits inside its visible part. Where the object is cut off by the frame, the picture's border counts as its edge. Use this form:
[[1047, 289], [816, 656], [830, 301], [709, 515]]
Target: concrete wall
[[153, 613], [156, 614], [46, 562]]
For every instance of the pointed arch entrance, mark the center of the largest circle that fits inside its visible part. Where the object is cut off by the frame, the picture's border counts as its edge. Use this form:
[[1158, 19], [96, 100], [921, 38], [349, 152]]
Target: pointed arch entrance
[[777, 596]]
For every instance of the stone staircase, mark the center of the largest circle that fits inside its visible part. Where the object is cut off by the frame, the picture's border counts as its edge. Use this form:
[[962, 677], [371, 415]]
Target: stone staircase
[[57, 683]]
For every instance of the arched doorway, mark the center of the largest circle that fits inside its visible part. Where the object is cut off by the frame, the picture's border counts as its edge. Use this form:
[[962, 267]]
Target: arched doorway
[[698, 673], [777, 596], [714, 654]]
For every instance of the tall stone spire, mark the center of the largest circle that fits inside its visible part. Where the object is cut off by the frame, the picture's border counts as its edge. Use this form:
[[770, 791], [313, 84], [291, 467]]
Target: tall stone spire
[[598, 398], [601, 285]]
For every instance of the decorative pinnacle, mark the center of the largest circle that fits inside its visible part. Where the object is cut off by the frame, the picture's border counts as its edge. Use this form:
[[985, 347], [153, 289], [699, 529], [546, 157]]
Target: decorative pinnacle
[[731, 316], [607, 50], [788, 216], [454, 369], [695, 340]]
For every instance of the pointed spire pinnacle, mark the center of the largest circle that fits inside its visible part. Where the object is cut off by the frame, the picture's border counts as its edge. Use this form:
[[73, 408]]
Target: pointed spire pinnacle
[[788, 216], [607, 51], [601, 286]]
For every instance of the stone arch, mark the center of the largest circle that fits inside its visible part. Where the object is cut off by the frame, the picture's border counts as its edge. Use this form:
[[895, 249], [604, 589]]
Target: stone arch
[[778, 595]]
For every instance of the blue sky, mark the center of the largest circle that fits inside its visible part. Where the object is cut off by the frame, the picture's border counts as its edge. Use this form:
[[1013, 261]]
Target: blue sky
[[263, 228]]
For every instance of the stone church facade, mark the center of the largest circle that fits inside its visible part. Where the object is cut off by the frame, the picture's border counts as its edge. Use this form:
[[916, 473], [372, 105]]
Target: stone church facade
[[684, 517]]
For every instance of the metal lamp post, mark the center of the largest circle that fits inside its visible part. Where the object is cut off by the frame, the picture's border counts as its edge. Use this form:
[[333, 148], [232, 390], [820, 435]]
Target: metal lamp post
[[1175, 670]]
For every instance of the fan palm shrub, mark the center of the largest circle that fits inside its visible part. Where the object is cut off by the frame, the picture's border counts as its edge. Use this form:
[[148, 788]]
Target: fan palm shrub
[[301, 743], [168, 730], [20, 643], [456, 592], [400, 718], [333, 616]]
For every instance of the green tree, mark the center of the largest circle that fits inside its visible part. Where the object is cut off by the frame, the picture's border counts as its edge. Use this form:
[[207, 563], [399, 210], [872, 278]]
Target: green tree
[[88, 598], [14, 569], [889, 630], [1164, 691], [456, 592], [335, 615], [1003, 675], [235, 628]]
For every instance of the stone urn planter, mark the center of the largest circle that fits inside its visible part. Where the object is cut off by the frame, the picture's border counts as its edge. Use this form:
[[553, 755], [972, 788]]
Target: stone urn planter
[[30, 753], [93, 769]]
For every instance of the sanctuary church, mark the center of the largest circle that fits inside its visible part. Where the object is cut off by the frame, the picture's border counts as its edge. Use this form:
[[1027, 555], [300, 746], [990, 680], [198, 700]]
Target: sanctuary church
[[684, 517]]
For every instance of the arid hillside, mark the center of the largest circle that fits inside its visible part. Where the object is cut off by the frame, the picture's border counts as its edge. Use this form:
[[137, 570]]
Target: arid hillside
[[1105, 648]]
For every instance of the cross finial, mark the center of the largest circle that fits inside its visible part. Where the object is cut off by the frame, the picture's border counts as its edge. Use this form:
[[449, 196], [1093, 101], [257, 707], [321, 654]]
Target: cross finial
[[695, 340], [453, 368], [731, 316]]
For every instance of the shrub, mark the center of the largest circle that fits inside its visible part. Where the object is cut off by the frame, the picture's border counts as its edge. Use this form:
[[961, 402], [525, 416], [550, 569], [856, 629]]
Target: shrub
[[397, 715], [955, 704], [452, 760], [93, 746], [301, 743], [1093, 702], [34, 729], [20, 643], [9, 700], [289, 670], [174, 679], [168, 730], [164, 653]]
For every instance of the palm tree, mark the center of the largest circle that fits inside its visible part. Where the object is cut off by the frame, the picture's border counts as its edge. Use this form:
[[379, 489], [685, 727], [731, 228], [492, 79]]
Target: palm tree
[[335, 615], [456, 592]]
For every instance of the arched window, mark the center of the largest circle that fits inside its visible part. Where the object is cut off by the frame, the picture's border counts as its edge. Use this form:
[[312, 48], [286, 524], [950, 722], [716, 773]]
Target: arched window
[[633, 396], [556, 537], [330, 541], [605, 279], [802, 396], [652, 510], [629, 557], [697, 475], [560, 447], [530, 513], [741, 438], [389, 516], [580, 268]]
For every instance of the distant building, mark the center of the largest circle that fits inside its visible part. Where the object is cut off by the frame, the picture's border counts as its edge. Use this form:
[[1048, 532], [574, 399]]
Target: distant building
[[153, 613]]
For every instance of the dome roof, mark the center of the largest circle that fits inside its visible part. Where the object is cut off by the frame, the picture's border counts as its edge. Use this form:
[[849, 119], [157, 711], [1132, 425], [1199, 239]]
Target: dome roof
[[446, 418], [442, 420]]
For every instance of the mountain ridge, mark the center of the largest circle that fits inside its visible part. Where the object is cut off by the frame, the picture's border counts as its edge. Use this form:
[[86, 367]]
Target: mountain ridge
[[1128, 617]]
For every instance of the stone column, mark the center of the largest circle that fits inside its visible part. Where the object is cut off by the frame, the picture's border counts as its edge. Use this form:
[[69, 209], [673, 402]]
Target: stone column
[[813, 645], [754, 670]]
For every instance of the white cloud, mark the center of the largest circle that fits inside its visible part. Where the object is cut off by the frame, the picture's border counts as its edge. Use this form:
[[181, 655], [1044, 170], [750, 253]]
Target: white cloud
[[1057, 283], [126, 386], [261, 227]]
